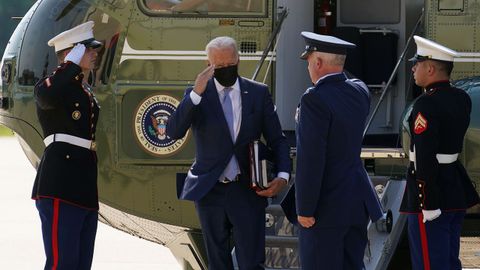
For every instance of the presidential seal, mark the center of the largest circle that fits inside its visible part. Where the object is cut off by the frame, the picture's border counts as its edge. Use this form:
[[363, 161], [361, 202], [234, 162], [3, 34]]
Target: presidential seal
[[150, 124]]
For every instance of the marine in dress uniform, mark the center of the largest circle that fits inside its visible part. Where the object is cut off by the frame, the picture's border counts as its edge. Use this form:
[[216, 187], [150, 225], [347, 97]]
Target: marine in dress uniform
[[65, 187], [333, 194], [438, 188]]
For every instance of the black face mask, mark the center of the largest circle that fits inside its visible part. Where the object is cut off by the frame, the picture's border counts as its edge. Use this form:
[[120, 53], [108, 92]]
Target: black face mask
[[226, 76]]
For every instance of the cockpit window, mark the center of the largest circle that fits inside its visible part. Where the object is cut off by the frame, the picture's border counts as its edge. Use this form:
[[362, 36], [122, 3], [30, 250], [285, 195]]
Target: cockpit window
[[216, 7], [37, 59]]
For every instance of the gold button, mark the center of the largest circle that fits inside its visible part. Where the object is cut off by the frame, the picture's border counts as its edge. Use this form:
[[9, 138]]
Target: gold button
[[67, 156], [93, 147], [76, 104], [421, 205], [413, 171], [420, 195], [419, 185], [92, 125], [93, 115], [77, 78]]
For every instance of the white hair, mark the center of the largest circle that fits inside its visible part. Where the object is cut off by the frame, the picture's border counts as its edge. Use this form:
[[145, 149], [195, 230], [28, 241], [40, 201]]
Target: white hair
[[222, 43], [332, 59]]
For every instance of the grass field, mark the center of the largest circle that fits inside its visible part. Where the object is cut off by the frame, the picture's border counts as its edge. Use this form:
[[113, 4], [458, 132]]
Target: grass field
[[4, 131]]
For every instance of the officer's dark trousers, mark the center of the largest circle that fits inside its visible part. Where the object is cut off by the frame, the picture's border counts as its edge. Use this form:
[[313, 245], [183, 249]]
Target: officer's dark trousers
[[68, 234], [333, 248], [233, 208], [435, 244]]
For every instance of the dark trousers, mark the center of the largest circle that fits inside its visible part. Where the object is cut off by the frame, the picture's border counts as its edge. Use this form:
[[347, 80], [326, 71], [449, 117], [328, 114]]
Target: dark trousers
[[68, 234], [435, 244], [333, 248], [233, 208]]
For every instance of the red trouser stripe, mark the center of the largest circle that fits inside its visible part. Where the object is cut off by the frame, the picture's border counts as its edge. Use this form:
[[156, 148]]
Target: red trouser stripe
[[56, 206], [423, 238]]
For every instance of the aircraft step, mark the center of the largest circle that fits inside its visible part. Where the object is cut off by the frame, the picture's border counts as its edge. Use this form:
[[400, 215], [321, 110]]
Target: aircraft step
[[281, 240]]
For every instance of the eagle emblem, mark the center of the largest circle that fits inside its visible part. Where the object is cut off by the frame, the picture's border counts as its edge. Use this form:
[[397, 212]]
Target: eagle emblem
[[76, 115], [159, 123]]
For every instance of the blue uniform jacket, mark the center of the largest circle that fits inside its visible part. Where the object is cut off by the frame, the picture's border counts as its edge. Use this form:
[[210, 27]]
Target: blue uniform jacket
[[438, 122], [331, 183], [214, 146], [65, 105]]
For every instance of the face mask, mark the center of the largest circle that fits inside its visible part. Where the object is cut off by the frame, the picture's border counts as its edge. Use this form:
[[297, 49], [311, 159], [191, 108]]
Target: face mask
[[226, 76]]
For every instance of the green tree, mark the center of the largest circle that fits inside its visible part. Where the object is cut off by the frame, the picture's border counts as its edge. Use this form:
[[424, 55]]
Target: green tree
[[9, 9]]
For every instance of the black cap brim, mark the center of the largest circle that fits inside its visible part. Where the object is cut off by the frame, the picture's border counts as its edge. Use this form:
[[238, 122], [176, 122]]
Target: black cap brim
[[418, 58], [92, 43], [323, 43]]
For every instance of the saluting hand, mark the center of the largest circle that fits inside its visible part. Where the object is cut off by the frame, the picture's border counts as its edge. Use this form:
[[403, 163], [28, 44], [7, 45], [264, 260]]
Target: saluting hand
[[76, 54], [202, 80], [276, 185], [306, 222]]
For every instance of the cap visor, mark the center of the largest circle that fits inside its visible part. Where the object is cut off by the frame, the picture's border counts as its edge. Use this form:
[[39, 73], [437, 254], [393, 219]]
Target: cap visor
[[92, 43], [413, 59]]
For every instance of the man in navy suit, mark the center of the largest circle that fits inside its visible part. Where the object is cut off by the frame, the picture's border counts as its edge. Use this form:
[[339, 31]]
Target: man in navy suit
[[334, 197], [226, 113]]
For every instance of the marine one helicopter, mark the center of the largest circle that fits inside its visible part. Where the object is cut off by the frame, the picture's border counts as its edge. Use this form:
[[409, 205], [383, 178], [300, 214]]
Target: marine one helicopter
[[153, 50]]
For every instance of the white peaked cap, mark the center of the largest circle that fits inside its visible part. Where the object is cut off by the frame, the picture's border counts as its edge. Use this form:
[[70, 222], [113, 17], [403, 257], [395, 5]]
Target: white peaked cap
[[82, 33], [427, 49]]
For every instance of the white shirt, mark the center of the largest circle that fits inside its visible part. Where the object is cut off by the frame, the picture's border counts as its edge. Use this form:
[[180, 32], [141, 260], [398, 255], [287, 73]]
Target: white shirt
[[328, 75]]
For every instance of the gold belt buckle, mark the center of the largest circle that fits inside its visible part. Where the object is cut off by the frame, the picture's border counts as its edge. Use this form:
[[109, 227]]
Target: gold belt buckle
[[93, 146]]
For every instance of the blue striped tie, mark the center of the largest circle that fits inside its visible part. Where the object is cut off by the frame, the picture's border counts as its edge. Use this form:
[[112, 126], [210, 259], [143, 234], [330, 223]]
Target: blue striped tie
[[232, 168]]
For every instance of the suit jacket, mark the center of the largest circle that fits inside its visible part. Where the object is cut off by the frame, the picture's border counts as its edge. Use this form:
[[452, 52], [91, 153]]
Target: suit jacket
[[214, 145], [65, 105], [331, 183], [438, 122]]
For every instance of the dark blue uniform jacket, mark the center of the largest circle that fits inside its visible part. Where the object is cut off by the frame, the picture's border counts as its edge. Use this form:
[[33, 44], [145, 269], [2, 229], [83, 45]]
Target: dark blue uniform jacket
[[438, 123], [65, 105], [331, 183]]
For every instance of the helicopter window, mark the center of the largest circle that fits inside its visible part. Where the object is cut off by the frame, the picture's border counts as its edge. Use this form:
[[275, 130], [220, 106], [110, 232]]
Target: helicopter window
[[220, 7], [37, 59]]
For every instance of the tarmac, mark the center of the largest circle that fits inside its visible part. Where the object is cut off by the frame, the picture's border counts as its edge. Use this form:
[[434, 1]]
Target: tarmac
[[21, 246]]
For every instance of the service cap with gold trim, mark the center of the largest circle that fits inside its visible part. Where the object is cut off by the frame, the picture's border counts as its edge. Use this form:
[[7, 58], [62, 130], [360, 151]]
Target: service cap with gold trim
[[430, 50], [323, 43], [82, 33]]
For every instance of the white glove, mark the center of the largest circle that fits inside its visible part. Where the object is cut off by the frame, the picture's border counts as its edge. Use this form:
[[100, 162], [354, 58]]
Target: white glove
[[429, 215], [76, 54]]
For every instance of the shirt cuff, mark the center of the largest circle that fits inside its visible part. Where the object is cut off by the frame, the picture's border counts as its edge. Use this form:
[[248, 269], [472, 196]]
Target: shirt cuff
[[195, 98], [284, 175]]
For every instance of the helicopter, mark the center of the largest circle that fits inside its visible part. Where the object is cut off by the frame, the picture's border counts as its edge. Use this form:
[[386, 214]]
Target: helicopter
[[153, 50]]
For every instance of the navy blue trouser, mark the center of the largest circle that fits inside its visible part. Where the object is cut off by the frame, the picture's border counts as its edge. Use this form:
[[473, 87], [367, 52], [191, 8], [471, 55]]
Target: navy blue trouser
[[333, 248], [68, 234], [233, 208], [435, 244]]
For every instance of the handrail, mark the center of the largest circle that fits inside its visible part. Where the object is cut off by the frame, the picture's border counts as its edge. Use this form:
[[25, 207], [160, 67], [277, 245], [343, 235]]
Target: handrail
[[387, 85], [275, 32]]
